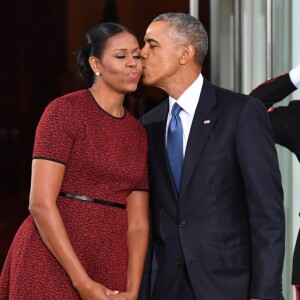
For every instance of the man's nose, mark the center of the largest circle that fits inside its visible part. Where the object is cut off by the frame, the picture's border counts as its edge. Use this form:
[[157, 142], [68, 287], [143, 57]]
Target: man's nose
[[143, 53]]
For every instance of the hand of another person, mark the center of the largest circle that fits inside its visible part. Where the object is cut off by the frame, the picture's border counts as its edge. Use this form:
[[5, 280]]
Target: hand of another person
[[295, 75], [95, 291], [123, 296]]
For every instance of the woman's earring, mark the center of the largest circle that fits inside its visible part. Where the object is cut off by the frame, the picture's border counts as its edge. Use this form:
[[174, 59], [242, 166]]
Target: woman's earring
[[97, 73]]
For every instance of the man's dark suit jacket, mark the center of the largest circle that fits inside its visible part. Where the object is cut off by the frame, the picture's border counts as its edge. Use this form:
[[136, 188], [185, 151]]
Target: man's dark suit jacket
[[285, 122], [227, 223]]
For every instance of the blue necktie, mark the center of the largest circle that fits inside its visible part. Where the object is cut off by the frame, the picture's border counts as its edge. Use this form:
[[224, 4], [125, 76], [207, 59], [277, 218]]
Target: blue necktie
[[175, 145]]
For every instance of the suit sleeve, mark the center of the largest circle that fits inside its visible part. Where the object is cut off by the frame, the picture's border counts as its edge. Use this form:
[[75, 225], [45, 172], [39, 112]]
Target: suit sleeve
[[259, 166], [285, 124], [274, 90]]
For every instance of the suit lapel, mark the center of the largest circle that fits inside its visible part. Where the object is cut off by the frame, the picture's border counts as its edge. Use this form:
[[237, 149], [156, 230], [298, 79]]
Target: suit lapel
[[159, 134], [202, 125]]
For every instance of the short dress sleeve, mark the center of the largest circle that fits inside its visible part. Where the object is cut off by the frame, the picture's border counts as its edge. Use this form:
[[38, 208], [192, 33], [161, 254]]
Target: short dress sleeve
[[55, 132]]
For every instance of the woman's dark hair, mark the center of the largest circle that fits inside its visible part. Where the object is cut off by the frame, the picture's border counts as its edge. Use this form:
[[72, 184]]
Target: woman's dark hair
[[94, 44]]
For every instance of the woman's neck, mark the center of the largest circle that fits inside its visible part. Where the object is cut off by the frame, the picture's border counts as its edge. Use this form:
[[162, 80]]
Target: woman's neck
[[111, 102]]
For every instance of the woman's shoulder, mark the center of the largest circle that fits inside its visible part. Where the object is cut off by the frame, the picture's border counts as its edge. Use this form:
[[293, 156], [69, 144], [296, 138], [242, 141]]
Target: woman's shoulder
[[74, 101], [66, 108], [73, 98]]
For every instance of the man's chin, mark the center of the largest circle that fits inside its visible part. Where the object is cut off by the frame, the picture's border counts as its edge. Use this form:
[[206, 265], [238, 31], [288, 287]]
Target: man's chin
[[146, 81]]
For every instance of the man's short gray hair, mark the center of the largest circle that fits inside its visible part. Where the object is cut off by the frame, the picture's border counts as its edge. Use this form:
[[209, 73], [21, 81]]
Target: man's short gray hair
[[186, 29]]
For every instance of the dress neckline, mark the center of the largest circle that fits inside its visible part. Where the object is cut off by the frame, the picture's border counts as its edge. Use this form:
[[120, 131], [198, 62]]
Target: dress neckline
[[114, 117]]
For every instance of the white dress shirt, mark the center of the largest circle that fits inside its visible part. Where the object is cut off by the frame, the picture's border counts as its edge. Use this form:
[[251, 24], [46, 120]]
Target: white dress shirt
[[188, 101]]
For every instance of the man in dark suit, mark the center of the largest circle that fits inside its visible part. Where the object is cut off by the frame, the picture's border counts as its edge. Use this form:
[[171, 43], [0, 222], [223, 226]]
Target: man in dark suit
[[217, 214], [285, 123]]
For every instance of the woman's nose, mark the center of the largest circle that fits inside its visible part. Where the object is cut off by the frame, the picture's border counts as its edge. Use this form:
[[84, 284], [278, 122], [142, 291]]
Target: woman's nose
[[132, 62]]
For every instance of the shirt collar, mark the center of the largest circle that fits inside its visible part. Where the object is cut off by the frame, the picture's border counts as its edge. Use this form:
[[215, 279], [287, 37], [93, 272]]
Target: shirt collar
[[189, 99]]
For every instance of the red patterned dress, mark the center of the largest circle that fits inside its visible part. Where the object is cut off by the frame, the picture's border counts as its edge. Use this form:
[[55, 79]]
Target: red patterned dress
[[105, 158]]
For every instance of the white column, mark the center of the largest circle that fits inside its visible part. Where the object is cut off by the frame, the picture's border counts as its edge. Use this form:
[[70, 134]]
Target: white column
[[194, 6], [295, 47]]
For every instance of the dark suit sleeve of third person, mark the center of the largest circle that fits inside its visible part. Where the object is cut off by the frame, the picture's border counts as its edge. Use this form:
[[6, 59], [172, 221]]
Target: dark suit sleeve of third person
[[274, 90]]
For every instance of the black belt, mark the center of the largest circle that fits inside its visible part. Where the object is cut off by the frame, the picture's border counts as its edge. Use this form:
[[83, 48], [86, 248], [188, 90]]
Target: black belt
[[89, 199]]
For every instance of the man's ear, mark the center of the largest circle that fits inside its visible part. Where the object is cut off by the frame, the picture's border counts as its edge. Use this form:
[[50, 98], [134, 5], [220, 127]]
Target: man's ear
[[188, 53]]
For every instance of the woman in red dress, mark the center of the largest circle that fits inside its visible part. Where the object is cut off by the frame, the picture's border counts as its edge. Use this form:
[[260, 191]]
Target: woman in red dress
[[87, 233]]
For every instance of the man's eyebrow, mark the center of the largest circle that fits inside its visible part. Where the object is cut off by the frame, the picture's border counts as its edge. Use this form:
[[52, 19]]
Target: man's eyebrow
[[152, 41]]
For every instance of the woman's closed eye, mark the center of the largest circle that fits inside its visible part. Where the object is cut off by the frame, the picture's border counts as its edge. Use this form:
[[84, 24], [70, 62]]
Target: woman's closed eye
[[120, 56]]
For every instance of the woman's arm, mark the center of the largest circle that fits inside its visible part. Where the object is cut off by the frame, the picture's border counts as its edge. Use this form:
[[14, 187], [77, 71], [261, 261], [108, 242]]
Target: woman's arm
[[137, 242], [137, 238], [47, 177]]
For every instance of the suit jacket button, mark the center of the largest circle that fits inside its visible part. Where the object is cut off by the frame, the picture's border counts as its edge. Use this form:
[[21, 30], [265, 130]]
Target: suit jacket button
[[179, 263], [182, 224]]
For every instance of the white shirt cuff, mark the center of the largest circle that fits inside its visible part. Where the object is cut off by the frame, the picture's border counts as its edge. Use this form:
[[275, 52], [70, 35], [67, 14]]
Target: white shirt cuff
[[295, 76]]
